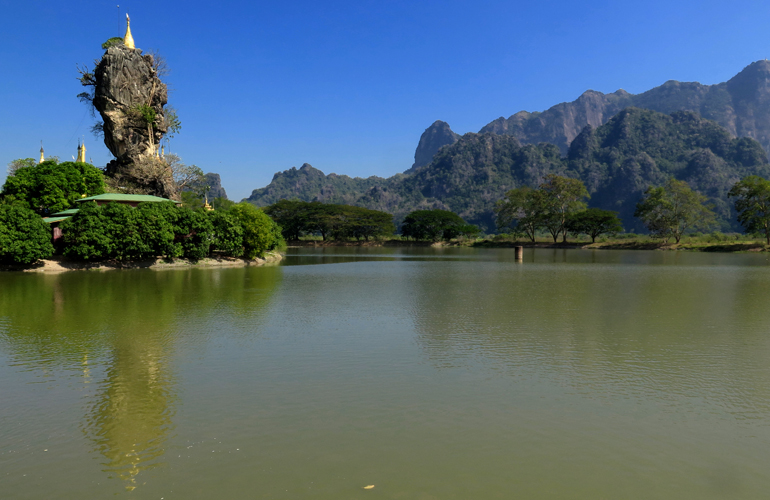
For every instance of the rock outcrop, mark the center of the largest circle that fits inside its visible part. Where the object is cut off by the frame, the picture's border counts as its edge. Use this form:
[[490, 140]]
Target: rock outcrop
[[214, 182], [741, 105], [130, 97], [434, 138]]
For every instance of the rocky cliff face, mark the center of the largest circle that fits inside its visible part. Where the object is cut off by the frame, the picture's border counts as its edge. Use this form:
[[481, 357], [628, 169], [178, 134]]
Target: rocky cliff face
[[434, 138], [214, 182], [129, 97], [741, 105]]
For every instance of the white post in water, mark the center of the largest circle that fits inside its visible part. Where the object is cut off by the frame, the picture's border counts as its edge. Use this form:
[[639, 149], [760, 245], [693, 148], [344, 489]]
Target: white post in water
[[519, 254]]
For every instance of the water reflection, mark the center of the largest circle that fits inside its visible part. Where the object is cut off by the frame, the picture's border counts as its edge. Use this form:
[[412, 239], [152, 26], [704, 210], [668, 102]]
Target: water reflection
[[674, 333], [117, 332]]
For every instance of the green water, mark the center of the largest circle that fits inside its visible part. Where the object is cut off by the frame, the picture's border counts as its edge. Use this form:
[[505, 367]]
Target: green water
[[431, 374]]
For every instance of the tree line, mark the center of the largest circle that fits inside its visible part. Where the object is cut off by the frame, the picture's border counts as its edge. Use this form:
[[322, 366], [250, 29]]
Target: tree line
[[558, 206]]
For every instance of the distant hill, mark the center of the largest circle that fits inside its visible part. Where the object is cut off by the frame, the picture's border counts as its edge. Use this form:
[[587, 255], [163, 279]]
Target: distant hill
[[308, 184], [741, 105], [434, 138], [617, 161]]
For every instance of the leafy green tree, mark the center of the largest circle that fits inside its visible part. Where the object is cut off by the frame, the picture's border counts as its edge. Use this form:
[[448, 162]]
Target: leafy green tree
[[127, 233], [194, 232], [86, 234], [594, 222], [292, 215], [561, 197], [672, 209], [157, 222], [228, 234], [20, 163], [432, 225], [752, 201], [520, 211], [51, 187], [260, 233], [24, 237]]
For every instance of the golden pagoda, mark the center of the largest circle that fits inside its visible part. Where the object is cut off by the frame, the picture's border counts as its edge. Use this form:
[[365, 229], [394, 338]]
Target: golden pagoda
[[128, 40], [42, 153], [81, 152]]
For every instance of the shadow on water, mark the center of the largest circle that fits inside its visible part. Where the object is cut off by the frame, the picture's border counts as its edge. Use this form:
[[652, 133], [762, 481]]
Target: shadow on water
[[118, 331]]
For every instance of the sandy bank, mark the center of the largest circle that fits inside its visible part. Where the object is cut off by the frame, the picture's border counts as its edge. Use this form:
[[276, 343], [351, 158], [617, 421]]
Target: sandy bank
[[59, 265]]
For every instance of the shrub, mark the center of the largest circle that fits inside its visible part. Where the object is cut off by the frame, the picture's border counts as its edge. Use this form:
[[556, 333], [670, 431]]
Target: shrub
[[228, 234], [260, 233], [51, 187], [24, 237], [85, 235]]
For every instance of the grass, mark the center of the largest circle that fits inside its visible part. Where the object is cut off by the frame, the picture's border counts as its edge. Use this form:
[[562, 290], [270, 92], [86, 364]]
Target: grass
[[710, 242]]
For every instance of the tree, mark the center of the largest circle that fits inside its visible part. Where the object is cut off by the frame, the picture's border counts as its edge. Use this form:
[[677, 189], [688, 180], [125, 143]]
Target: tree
[[594, 222], [260, 233], [51, 187], [672, 209], [20, 163], [561, 197], [432, 225], [752, 201], [24, 236], [228, 234], [86, 235], [520, 211]]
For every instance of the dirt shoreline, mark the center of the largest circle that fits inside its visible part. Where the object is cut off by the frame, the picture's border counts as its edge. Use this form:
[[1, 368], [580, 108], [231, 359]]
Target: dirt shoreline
[[724, 247], [59, 265]]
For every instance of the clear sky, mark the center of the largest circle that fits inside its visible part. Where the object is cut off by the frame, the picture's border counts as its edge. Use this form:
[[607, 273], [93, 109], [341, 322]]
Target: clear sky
[[349, 86]]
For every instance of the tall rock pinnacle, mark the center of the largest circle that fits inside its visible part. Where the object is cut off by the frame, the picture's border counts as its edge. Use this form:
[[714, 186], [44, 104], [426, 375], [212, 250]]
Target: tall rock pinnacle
[[130, 98], [434, 138]]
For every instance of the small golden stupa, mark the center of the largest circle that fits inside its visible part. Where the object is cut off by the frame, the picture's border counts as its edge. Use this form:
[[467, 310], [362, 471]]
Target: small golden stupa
[[128, 40], [81, 152], [42, 153]]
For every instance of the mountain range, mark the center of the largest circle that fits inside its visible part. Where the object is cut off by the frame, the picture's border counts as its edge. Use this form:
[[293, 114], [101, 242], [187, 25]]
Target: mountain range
[[617, 143]]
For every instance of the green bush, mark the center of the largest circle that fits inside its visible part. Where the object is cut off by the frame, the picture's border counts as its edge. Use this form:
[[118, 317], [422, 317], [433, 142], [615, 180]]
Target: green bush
[[432, 225], [86, 235], [260, 233], [228, 234], [24, 237], [51, 187]]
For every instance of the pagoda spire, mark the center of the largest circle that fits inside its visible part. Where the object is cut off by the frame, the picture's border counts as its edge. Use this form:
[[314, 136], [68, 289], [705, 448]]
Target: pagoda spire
[[128, 40], [42, 153]]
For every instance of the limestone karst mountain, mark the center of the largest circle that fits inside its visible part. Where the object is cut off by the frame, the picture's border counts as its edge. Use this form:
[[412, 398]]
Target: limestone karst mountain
[[741, 105], [130, 97], [434, 138], [617, 162]]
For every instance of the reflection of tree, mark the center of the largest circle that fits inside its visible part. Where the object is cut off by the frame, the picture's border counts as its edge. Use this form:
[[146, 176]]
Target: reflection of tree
[[640, 329], [126, 326]]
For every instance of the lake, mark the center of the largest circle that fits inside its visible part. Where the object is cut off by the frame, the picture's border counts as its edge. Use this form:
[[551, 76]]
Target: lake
[[429, 373]]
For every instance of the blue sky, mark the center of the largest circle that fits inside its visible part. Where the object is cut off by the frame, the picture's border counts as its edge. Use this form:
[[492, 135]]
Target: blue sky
[[349, 86]]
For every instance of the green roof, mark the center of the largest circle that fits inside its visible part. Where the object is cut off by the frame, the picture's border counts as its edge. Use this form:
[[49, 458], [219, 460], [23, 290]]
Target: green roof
[[130, 198], [51, 220], [71, 211]]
